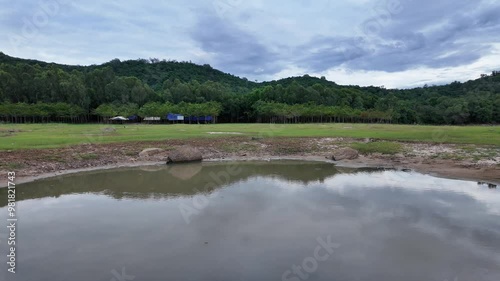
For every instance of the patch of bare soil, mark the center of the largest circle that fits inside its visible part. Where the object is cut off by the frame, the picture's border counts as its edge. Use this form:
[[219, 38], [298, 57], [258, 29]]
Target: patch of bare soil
[[455, 161]]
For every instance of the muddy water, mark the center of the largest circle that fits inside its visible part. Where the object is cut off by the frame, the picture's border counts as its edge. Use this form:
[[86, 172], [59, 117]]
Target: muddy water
[[254, 221]]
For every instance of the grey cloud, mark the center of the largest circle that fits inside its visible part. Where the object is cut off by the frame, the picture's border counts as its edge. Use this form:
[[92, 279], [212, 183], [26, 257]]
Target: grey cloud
[[259, 40], [234, 50], [326, 52], [433, 34]]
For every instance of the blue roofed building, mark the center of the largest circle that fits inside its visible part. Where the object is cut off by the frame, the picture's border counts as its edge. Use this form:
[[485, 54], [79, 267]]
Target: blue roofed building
[[175, 117]]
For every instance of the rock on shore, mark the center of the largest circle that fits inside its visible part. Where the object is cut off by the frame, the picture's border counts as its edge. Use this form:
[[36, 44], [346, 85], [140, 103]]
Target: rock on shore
[[345, 154], [184, 154]]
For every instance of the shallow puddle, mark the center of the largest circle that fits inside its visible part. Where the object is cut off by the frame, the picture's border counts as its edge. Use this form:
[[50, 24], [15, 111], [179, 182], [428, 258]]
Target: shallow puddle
[[283, 220]]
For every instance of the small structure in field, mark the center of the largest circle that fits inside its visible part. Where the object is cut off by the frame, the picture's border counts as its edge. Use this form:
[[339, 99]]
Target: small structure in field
[[134, 118], [200, 119], [179, 118], [118, 119], [173, 117], [150, 120]]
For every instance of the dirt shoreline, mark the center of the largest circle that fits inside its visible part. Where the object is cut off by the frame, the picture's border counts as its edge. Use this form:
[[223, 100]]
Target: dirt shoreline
[[459, 173], [482, 164]]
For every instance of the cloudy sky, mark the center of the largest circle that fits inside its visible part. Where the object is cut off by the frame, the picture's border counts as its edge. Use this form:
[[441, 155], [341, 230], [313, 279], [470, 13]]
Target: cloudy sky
[[395, 43]]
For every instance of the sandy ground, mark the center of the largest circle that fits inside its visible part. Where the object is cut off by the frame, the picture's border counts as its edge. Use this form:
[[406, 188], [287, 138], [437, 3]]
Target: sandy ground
[[445, 160]]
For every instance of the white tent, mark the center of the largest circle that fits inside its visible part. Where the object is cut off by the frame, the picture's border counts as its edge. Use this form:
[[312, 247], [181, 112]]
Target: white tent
[[119, 118], [152, 119]]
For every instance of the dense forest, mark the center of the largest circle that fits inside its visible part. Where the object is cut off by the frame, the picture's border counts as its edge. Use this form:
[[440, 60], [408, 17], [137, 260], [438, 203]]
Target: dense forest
[[35, 91]]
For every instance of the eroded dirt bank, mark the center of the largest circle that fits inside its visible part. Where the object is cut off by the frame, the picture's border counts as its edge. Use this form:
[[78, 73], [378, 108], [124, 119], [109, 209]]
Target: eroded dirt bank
[[447, 160]]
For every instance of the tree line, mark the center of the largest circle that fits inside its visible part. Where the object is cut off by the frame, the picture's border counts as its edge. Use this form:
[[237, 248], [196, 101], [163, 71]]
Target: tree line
[[304, 113], [63, 112], [32, 91], [42, 113], [158, 109]]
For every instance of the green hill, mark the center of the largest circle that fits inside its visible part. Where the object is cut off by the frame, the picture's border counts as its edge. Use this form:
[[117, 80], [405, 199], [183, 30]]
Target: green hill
[[134, 83]]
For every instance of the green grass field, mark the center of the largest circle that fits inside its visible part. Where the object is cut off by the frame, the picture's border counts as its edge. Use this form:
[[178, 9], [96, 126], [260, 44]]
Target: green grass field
[[26, 136]]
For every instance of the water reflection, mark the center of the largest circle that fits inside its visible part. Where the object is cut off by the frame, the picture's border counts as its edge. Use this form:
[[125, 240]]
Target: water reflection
[[165, 181], [257, 223]]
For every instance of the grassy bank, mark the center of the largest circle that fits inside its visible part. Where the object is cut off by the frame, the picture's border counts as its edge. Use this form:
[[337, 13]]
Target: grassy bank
[[383, 147], [26, 136]]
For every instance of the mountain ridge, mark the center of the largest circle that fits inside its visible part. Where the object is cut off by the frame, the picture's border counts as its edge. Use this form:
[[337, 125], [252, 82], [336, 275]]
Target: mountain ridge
[[174, 66]]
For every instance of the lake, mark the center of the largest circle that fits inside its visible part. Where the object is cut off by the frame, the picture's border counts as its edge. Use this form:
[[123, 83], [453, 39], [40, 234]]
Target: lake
[[279, 220]]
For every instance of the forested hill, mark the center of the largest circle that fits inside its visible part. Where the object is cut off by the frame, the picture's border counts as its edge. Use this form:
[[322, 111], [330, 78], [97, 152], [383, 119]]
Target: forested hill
[[154, 87], [153, 71], [5, 59]]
